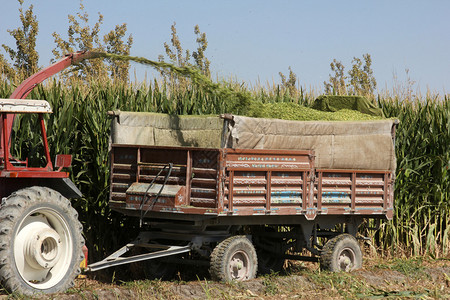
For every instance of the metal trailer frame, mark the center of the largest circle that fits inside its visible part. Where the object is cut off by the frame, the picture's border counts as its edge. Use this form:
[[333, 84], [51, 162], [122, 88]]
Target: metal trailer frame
[[202, 201], [241, 200]]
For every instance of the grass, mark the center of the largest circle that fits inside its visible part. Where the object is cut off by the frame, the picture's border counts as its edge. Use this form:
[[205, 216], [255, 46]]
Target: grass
[[412, 267], [294, 111], [379, 279], [270, 286], [340, 283]]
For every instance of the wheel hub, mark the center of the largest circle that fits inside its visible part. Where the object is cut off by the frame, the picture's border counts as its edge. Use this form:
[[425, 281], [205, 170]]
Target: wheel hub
[[42, 248], [239, 266], [346, 260]]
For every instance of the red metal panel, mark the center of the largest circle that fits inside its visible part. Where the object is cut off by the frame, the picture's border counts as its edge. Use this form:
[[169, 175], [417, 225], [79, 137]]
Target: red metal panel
[[363, 192], [319, 192], [34, 173], [124, 170], [268, 190], [195, 169], [353, 189], [63, 161], [204, 177], [386, 182], [220, 184], [244, 160], [230, 191], [266, 181]]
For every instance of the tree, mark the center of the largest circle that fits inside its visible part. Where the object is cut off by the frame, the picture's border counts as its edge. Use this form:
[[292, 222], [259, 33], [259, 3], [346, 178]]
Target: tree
[[200, 59], [114, 44], [82, 37], [336, 84], [25, 57], [6, 71], [289, 83], [181, 58], [362, 80], [174, 51]]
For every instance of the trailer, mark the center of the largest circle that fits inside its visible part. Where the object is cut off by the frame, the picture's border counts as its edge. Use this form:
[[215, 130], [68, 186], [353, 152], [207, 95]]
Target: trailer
[[241, 195]]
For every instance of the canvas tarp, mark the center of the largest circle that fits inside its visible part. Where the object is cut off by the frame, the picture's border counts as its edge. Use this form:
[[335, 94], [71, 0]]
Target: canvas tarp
[[337, 144], [365, 145], [156, 129], [334, 103]]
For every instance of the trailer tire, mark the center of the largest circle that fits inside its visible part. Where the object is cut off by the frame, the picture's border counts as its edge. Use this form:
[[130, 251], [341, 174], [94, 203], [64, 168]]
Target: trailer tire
[[40, 242], [341, 253], [234, 259]]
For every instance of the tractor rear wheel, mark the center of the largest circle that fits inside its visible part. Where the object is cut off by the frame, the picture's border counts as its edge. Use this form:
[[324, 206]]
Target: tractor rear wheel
[[40, 242]]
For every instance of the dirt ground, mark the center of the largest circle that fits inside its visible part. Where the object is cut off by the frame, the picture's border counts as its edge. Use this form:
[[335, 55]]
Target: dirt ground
[[412, 278]]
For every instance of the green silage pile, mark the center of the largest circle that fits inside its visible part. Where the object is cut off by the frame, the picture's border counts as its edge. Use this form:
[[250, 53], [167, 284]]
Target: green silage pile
[[293, 111]]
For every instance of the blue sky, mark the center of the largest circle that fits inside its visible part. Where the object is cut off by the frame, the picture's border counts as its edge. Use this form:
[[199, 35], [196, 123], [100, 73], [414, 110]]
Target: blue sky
[[252, 41]]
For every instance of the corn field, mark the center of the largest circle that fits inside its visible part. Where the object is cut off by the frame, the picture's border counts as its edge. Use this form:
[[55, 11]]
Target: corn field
[[422, 217], [80, 126]]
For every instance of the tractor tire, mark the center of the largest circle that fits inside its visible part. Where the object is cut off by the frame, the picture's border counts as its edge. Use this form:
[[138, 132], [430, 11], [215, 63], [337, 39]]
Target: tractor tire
[[40, 242], [234, 259], [341, 253]]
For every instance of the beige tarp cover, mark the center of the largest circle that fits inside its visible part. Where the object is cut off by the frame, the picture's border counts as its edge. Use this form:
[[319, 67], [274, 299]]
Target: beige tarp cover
[[338, 145], [364, 145], [155, 129]]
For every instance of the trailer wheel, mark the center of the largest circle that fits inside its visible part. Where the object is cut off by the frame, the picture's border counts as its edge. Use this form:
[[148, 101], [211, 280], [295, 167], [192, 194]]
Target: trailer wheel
[[234, 259], [40, 242], [341, 253]]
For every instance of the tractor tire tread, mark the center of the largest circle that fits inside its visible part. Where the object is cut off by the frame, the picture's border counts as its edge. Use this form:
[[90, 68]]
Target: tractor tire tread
[[11, 211]]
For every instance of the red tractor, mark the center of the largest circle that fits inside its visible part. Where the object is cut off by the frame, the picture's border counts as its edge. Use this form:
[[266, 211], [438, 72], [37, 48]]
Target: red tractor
[[40, 236]]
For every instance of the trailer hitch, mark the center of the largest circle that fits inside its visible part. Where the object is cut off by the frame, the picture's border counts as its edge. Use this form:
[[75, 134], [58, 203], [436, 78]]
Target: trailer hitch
[[116, 258]]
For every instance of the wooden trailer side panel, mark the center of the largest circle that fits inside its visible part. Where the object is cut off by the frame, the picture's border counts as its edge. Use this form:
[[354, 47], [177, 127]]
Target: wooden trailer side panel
[[164, 179], [242, 182]]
